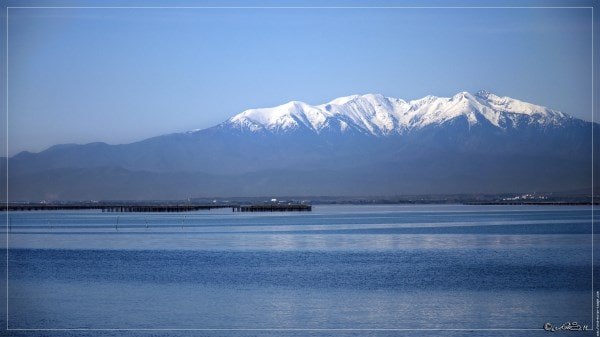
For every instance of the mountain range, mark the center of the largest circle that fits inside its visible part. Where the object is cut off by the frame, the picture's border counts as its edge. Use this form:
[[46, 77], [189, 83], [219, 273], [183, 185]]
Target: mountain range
[[357, 145]]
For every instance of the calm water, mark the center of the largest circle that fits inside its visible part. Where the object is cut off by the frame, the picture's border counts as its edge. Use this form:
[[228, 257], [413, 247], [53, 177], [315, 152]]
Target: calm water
[[338, 271]]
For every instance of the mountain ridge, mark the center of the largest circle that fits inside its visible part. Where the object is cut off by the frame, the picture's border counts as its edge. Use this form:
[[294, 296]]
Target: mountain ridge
[[379, 115], [353, 145]]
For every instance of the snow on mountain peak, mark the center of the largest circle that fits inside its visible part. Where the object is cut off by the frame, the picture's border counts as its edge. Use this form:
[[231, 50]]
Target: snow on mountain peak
[[379, 115], [291, 115]]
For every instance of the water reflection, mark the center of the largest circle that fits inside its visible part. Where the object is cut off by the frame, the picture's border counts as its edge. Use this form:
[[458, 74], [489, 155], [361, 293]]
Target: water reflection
[[375, 242]]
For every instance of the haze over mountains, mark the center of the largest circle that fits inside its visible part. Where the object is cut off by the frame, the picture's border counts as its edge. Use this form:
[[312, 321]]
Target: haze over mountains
[[356, 145]]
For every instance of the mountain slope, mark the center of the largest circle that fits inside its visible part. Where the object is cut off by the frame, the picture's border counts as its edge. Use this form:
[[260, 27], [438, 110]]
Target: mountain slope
[[354, 145]]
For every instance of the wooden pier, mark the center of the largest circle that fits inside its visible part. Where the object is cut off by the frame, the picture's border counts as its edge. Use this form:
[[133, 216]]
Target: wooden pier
[[155, 208], [110, 207], [161, 208], [274, 208]]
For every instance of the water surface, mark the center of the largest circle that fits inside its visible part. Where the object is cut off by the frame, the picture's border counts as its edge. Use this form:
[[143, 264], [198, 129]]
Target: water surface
[[337, 271]]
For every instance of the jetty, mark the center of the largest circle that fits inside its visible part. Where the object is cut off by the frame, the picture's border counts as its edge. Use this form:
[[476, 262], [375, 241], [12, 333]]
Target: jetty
[[161, 208], [154, 208], [109, 207]]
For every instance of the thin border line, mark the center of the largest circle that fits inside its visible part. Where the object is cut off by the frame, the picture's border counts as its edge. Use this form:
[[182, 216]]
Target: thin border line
[[7, 212], [283, 329], [594, 297], [292, 7]]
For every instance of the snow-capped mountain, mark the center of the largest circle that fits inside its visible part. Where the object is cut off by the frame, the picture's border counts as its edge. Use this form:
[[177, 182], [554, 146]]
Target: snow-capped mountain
[[355, 145], [378, 115]]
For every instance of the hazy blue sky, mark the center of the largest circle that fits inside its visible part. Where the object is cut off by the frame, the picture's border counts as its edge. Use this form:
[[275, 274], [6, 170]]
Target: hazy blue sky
[[124, 74]]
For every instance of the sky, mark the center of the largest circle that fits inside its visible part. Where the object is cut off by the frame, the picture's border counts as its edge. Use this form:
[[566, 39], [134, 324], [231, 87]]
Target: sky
[[119, 75]]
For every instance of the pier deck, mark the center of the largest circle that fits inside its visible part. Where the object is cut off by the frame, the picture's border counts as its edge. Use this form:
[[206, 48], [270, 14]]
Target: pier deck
[[155, 208], [109, 207]]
